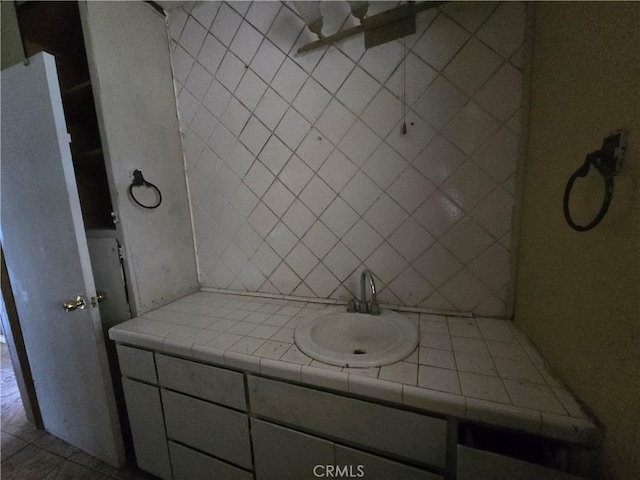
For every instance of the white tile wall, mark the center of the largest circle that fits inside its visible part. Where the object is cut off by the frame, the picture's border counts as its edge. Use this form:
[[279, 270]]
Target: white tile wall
[[299, 174]]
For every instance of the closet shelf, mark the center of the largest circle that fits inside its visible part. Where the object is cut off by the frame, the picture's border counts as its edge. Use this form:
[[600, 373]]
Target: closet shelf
[[79, 88], [92, 153]]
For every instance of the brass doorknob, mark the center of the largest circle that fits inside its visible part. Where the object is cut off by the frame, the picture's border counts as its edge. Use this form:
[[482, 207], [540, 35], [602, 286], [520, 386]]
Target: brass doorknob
[[79, 302]]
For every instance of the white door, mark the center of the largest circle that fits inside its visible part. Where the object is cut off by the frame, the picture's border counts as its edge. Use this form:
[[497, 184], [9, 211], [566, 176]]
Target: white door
[[45, 246]]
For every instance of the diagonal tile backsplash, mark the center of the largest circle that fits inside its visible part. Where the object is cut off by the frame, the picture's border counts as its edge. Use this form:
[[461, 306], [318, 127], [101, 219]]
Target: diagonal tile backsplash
[[299, 174]]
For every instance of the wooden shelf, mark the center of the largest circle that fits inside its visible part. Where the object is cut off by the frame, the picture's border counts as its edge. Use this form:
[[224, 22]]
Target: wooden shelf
[[56, 27], [79, 107], [88, 160], [80, 88], [92, 153]]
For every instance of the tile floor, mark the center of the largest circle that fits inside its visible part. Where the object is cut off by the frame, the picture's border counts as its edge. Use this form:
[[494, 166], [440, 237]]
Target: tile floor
[[32, 454]]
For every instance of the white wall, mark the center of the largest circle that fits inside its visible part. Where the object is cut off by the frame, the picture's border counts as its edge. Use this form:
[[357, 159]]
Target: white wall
[[299, 176], [127, 47]]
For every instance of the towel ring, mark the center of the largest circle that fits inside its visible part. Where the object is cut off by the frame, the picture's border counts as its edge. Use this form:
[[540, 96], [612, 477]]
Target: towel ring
[[607, 162], [139, 181], [607, 175]]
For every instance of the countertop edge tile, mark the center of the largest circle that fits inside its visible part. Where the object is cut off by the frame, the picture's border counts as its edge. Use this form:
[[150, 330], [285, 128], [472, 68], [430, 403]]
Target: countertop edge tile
[[321, 377], [434, 401], [284, 370], [570, 404], [242, 361], [571, 429], [177, 347], [123, 336], [149, 341], [208, 354], [503, 415], [375, 388]]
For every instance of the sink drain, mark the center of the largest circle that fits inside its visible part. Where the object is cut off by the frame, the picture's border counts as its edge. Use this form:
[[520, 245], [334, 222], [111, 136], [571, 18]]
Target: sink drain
[[357, 351]]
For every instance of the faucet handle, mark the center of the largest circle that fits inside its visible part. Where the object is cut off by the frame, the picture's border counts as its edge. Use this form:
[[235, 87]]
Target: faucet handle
[[353, 306]]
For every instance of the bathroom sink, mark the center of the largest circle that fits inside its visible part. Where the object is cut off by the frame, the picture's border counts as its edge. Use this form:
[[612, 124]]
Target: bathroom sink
[[357, 339]]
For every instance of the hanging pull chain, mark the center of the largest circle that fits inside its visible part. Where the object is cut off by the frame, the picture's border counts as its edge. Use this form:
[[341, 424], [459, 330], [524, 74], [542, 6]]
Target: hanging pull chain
[[404, 86]]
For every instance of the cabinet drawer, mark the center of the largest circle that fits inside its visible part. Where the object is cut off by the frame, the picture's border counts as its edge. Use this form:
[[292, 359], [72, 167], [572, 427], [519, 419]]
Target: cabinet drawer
[[191, 465], [213, 429], [217, 385], [480, 465], [378, 468], [281, 453], [405, 434], [136, 363]]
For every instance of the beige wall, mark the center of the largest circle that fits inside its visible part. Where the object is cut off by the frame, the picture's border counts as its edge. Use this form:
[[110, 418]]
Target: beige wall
[[578, 294], [11, 45]]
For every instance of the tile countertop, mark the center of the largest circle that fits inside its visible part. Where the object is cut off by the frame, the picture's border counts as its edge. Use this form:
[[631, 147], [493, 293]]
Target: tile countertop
[[480, 369]]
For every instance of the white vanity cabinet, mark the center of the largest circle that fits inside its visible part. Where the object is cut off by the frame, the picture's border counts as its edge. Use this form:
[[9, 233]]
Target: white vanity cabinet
[[205, 409], [378, 468], [410, 437], [476, 464], [213, 384], [191, 420], [189, 464], [284, 453], [188, 420], [207, 427], [147, 427], [195, 421], [144, 409], [206, 421]]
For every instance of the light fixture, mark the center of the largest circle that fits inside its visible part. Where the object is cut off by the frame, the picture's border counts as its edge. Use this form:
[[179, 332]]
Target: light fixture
[[358, 9], [310, 13], [381, 28]]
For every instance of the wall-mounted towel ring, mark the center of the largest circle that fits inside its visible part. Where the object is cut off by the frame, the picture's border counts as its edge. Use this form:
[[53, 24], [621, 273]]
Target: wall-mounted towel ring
[[139, 181], [608, 162]]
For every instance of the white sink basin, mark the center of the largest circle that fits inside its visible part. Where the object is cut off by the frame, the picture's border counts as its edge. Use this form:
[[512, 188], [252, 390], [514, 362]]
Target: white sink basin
[[357, 339]]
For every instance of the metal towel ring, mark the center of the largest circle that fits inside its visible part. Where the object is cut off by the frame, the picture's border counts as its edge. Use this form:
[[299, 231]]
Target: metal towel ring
[[607, 161], [139, 181], [607, 175]]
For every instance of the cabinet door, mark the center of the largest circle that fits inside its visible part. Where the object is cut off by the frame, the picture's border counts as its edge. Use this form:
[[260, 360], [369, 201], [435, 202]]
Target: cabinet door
[[280, 453], [373, 467], [191, 465], [216, 430], [480, 465], [209, 383], [407, 435], [147, 428], [137, 364]]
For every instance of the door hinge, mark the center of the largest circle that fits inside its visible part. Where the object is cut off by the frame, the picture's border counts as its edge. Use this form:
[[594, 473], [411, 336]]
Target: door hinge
[[115, 218], [121, 252]]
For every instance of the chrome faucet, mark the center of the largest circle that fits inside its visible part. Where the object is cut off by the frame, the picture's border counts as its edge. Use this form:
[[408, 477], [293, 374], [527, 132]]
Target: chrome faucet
[[373, 308]]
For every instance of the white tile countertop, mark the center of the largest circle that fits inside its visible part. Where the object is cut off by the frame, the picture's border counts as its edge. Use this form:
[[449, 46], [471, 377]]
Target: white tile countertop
[[479, 369]]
